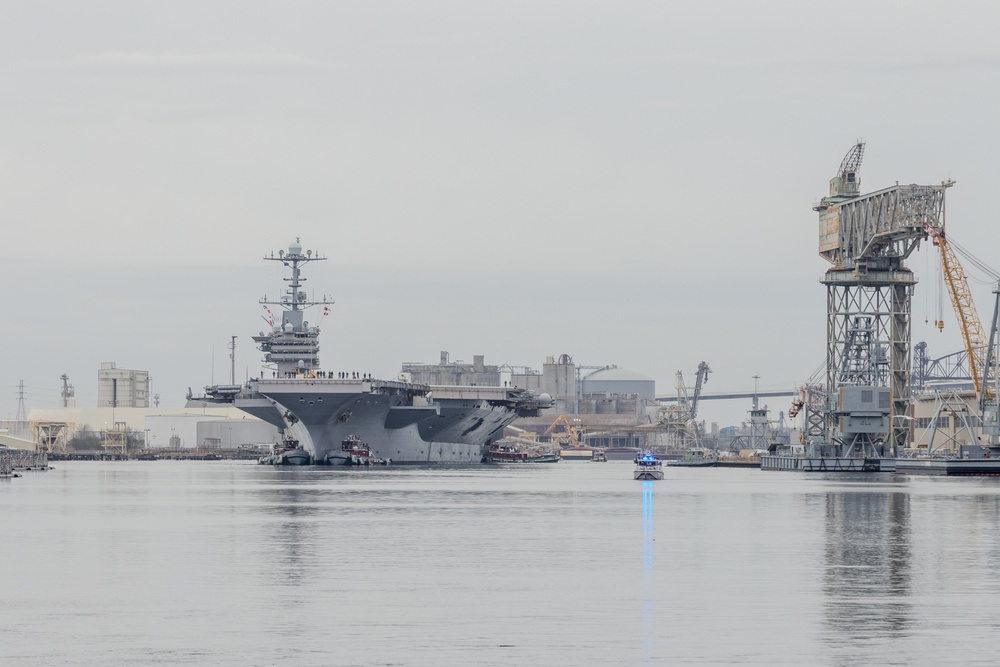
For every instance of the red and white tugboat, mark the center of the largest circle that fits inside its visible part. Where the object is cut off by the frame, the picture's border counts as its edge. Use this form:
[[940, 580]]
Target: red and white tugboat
[[354, 452], [286, 453]]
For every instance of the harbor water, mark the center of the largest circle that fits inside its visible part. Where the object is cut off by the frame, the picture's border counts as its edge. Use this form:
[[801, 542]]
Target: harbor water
[[229, 563]]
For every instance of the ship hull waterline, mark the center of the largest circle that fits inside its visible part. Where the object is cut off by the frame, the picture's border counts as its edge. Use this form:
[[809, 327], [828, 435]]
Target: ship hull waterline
[[322, 414]]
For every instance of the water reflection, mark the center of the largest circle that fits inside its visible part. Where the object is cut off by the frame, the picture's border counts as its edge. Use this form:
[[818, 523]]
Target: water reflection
[[867, 579], [290, 533], [647, 571]]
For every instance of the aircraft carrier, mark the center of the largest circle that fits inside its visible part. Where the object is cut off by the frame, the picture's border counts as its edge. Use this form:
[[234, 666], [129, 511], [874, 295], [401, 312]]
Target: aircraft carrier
[[317, 411]]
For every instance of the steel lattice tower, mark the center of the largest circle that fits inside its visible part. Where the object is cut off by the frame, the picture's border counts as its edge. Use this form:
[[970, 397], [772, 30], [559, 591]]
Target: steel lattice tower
[[867, 238], [21, 415]]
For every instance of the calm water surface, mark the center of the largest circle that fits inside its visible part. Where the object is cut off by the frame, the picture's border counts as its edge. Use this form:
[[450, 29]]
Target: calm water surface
[[162, 563]]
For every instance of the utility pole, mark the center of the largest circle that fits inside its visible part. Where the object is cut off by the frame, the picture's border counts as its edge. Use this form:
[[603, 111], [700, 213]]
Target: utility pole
[[67, 390]]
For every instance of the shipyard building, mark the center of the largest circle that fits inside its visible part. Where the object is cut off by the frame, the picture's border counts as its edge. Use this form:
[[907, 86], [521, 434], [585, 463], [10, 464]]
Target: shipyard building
[[122, 388], [942, 421], [456, 374], [603, 406], [54, 429], [607, 405], [124, 419]]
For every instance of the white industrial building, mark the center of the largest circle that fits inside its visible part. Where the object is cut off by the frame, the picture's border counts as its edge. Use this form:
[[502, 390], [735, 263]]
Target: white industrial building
[[121, 387], [197, 431], [187, 428]]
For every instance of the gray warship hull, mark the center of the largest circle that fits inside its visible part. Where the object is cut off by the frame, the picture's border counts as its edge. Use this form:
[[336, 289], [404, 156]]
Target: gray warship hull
[[400, 421], [403, 422]]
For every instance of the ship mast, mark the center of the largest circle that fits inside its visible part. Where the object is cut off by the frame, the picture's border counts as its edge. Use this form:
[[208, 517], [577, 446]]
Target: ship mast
[[293, 346]]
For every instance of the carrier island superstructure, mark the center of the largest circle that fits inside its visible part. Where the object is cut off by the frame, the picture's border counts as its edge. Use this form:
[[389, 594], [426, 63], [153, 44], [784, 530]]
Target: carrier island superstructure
[[318, 410]]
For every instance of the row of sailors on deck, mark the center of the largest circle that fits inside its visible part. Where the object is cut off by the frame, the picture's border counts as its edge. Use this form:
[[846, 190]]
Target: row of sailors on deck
[[324, 374]]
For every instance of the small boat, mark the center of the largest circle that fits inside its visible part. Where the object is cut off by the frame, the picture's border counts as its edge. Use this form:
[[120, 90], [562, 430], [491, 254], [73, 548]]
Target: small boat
[[500, 453], [599, 456], [647, 466], [697, 458], [354, 452], [287, 453]]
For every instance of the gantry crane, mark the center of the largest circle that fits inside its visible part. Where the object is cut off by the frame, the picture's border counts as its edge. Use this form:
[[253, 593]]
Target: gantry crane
[[679, 419], [866, 239]]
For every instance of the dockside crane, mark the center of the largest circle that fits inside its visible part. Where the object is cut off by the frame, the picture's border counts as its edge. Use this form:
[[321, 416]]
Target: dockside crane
[[679, 419], [982, 364], [561, 419], [700, 379], [980, 348], [989, 401], [867, 238]]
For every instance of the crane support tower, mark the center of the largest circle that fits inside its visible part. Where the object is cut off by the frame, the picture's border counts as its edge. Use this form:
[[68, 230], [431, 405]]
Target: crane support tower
[[867, 238]]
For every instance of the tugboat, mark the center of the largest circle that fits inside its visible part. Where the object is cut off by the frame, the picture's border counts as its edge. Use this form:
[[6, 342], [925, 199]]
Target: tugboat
[[354, 452], [286, 453], [647, 466], [500, 453]]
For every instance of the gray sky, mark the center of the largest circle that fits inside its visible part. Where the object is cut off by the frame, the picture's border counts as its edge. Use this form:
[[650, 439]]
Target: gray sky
[[627, 183]]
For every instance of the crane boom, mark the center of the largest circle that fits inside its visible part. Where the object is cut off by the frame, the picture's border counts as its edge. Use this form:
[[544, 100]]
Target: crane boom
[[973, 335], [561, 419], [682, 393], [702, 378]]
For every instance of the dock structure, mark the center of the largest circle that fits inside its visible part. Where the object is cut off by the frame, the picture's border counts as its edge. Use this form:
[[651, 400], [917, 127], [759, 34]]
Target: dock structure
[[14, 460]]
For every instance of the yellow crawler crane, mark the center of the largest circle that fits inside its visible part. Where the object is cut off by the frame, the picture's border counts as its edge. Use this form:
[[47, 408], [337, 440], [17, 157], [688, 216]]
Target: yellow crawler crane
[[561, 419], [973, 335]]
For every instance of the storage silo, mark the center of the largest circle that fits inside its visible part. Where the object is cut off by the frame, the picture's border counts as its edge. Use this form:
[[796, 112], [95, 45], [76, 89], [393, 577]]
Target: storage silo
[[615, 380]]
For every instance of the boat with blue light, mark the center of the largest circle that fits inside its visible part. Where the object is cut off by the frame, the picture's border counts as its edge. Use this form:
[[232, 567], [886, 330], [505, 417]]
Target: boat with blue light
[[647, 466]]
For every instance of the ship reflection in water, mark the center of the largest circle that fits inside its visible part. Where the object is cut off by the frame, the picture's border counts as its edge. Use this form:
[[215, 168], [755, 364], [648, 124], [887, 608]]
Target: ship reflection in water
[[867, 576], [288, 512]]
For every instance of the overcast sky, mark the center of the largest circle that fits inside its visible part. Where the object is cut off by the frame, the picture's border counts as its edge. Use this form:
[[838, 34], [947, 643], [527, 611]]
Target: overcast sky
[[626, 182]]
